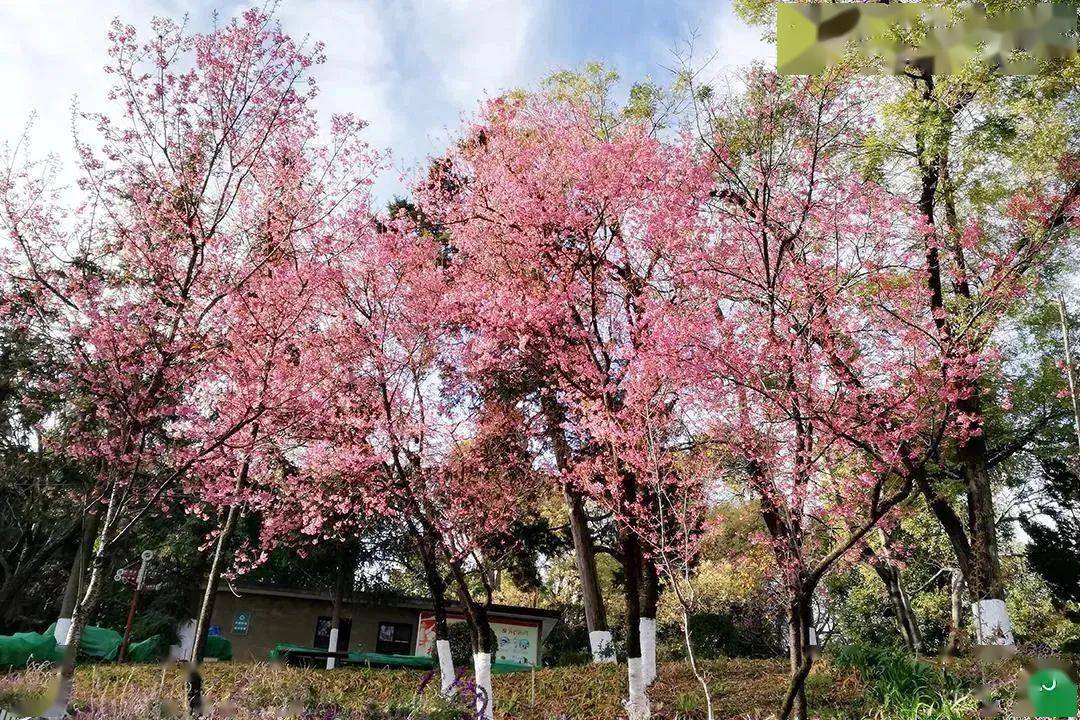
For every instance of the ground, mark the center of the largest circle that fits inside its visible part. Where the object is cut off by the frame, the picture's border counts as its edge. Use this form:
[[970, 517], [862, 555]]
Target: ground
[[740, 689]]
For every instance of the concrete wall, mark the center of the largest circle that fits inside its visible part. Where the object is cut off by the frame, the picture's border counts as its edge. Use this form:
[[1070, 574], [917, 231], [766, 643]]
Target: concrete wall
[[277, 619]]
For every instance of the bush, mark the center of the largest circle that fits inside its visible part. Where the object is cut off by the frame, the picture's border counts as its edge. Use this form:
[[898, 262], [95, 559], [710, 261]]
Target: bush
[[154, 623], [567, 645], [716, 635], [461, 649], [905, 688]]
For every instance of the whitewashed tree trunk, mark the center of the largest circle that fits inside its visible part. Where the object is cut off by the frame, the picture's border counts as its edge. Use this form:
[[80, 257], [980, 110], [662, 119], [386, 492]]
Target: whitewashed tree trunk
[[79, 620], [485, 700], [637, 704], [647, 626], [602, 647], [185, 640], [992, 626], [446, 667], [76, 576], [60, 632], [331, 662]]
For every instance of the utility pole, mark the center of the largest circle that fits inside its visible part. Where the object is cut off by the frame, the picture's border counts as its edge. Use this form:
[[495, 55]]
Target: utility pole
[[140, 580], [1063, 314]]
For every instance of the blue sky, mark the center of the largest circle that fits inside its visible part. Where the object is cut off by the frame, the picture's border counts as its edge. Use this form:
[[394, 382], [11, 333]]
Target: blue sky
[[412, 68]]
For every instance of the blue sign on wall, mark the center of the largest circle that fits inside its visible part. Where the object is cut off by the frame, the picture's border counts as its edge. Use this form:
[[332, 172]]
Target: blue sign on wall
[[241, 623]]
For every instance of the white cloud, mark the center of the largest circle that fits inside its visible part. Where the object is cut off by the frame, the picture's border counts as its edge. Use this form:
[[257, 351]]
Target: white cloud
[[411, 68], [735, 43], [478, 48], [359, 75], [49, 53]]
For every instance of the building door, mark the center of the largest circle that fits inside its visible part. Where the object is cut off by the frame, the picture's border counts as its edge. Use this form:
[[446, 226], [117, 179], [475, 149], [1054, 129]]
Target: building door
[[322, 633], [394, 638]]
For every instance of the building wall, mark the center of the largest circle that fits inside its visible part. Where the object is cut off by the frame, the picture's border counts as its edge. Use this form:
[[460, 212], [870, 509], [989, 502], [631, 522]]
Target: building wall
[[276, 619]]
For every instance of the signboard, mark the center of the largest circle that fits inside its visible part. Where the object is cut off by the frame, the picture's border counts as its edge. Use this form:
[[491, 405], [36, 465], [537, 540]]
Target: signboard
[[241, 622], [518, 640]]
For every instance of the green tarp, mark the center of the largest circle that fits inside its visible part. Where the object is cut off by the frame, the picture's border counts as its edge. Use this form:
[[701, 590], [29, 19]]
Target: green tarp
[[502, 668], [420, 662], [17, 650], [152, 649], [217, 648], [282, 650], [97, 643], [20, 649], [279, 651]]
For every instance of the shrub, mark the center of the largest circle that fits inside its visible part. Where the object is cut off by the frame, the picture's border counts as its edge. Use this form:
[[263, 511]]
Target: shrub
[[567, 644], [461, 649], [905, 688], [153, 622], [716, 635]]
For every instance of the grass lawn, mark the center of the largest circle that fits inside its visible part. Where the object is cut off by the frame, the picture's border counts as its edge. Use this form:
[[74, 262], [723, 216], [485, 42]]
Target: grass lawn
[[740, 689]]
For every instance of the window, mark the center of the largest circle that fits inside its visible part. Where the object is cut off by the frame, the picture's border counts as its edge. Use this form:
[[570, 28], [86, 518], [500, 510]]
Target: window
[[394, 638], [322, 633]]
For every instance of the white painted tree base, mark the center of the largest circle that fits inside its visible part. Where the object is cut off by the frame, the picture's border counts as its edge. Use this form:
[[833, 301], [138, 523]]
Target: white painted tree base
[[637, 705], [446, 667], [63, 627], [647, 628], [603, 649], [331, 662], [485, 700], [992, 626], [186, 636]]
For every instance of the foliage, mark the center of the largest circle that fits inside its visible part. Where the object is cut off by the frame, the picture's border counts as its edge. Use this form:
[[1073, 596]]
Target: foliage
[[740, 633], [40, 488], [1054, 549], [567, 644], [461, 648], [907, 689]]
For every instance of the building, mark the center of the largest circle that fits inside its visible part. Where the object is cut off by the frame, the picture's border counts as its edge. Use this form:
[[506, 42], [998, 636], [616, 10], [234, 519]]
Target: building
[[256, 618]]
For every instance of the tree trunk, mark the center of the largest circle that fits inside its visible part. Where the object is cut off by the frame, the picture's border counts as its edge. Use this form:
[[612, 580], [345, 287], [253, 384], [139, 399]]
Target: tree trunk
[[992, 625], [637, 704], [982, 564], [1063, 314], [206, 611], [650, 596], [437, 588], [77, 575], [483, 641], [584, 557], [217, 565], [956, 620], [600, 642], [80, 617], [482, 658], [905, 616], [346, 568], [801, 657]]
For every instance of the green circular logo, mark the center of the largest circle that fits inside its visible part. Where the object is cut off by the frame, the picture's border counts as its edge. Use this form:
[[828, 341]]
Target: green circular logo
[[1052, 694]]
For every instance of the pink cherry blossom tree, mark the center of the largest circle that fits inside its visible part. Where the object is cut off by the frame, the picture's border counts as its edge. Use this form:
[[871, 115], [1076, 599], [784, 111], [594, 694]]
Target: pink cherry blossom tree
[[817, 368], [205, 175], [564, 240]]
